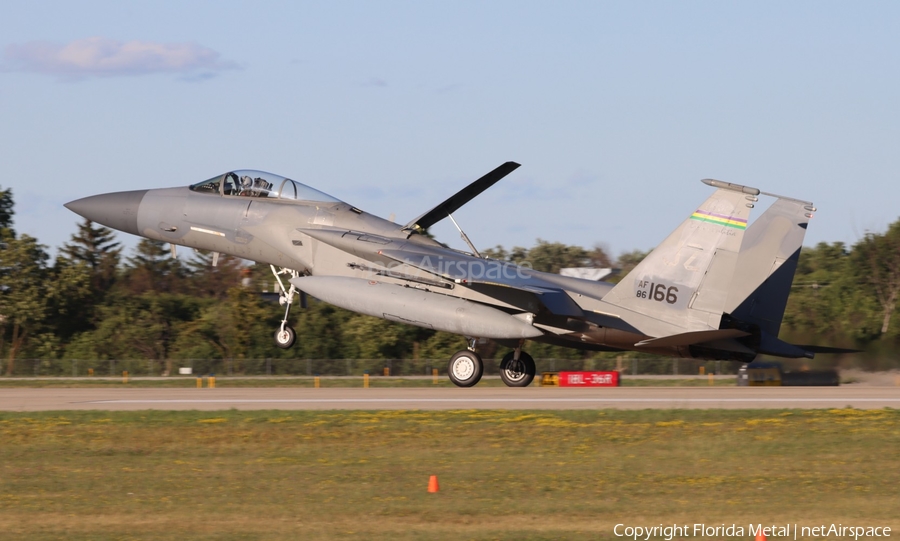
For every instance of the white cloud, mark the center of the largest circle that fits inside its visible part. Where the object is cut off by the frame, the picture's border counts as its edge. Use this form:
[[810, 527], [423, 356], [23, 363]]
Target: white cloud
[[104, 57]]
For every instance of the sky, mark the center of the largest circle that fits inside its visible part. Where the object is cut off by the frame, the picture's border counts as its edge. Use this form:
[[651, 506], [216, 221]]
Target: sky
[[615, 110]]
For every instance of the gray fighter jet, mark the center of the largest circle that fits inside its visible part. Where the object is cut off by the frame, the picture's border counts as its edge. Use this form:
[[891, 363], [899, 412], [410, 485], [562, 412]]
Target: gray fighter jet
[[714, 289]]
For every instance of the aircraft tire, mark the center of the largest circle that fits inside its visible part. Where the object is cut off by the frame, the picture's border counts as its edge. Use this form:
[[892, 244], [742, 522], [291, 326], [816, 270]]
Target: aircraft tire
[[519, 374], [465, 368], [285, 339]]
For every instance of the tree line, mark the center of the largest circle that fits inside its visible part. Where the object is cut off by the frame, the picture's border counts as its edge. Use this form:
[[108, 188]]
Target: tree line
[[92, 302]]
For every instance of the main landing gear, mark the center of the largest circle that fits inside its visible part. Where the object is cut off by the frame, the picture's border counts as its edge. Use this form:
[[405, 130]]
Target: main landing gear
[[466, 367], [517, 368], [285, 336]]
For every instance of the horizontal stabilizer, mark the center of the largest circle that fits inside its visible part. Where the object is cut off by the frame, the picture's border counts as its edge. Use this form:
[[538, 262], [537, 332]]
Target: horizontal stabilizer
[[691, 338], [460, 198], [770, 345], [827, 349]]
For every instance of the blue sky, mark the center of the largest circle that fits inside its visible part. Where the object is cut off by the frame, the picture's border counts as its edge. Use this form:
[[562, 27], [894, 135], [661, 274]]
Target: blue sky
[[614, 110]]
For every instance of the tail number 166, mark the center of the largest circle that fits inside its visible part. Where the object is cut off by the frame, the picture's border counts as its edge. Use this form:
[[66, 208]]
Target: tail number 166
[[657, 292]]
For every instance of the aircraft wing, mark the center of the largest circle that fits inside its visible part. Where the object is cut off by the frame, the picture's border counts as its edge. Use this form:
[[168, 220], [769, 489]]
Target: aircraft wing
[[555, 300], [496, 279], [460, 198]]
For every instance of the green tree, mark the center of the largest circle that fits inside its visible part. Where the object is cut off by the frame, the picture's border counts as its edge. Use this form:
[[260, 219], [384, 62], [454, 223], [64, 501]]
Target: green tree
[[236, 327], [597, 257], [143, 326], [876, 260], [629, 260], [72, 302], [553, 256], [827, 301], [209, 281], [320, 331], [94, 251], [6, 210], [30, 292], [152, 268], [548, 256], [95, 246], [25, 290], [375, 338], [441, 345]]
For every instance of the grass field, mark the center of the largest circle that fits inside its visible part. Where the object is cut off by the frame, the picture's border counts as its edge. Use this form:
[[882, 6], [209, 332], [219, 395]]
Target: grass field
[[504, 475], [275, 381]]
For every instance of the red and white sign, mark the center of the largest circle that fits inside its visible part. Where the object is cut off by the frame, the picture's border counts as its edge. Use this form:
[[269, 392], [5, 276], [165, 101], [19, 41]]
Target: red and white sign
[[588, 379]]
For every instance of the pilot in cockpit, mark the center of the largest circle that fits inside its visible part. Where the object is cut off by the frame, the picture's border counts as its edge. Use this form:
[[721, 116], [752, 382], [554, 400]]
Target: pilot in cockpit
[[246, 186]]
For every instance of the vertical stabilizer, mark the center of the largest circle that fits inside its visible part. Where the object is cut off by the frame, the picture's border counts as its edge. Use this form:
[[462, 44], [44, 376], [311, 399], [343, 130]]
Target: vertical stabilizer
[[767, 263], [683, 284]]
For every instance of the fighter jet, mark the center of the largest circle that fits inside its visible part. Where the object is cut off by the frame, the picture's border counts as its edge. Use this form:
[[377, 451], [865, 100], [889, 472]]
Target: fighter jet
[[713, 289]]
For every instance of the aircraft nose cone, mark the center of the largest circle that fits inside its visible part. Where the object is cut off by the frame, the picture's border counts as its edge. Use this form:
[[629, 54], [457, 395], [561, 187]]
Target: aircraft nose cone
[[118, 210]]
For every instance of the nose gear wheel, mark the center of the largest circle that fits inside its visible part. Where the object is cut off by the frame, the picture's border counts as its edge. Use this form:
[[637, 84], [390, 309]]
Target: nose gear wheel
[[285, 337]]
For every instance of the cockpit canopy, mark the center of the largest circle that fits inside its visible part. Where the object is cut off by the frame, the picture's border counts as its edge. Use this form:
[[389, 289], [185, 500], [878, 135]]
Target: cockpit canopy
[[249, 183]]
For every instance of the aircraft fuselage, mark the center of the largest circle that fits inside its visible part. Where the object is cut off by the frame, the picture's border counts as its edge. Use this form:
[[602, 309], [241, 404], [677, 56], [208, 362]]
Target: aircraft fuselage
[[674, 303]]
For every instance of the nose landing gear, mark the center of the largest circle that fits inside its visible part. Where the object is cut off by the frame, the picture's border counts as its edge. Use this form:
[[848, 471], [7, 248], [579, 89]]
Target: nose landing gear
[[285, 336]]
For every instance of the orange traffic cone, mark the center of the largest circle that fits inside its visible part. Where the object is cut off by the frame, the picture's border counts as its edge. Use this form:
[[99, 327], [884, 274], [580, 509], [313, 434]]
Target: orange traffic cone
[[433, 484], [760, 536]]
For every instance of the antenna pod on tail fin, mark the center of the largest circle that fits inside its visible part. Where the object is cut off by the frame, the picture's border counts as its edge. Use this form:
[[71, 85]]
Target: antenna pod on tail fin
[[730, 186]]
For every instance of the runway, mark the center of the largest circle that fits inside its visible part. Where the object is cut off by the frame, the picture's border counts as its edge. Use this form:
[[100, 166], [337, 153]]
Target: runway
[[52, 399]]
